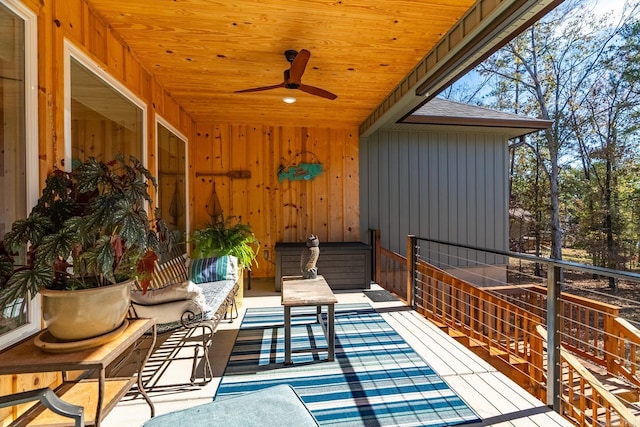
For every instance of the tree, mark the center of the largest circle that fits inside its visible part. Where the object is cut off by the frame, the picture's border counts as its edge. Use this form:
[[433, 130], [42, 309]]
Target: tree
[[547, 72], [604, 127]]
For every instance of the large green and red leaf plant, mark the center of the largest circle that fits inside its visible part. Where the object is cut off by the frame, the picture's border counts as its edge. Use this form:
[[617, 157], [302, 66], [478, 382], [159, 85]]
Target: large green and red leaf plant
[[89, 228]]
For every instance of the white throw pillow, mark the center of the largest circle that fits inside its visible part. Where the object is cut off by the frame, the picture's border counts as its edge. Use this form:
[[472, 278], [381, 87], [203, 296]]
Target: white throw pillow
[[186, 290]]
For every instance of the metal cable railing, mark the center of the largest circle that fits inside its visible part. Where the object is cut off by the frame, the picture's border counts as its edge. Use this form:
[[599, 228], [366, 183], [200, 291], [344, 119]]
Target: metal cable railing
[[502, 312]]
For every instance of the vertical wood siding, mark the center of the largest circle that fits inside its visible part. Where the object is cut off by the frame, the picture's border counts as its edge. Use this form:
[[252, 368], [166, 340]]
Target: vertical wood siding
[[287, 211], [444, 185], [74, 20]]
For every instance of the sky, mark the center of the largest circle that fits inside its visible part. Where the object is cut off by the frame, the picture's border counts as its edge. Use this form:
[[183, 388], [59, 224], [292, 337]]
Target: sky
[[604, 6], [599, 6]]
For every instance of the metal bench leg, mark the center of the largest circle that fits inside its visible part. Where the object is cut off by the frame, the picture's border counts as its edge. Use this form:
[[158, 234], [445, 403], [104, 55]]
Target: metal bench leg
[[231, 307], [207, 336], [50, 400]]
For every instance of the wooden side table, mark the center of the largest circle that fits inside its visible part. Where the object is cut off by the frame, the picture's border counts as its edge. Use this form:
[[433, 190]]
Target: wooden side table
[[298, 292], [98, 397]]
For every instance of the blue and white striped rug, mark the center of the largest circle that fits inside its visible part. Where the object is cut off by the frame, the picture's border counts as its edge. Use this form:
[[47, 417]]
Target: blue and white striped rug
[[377, 379]]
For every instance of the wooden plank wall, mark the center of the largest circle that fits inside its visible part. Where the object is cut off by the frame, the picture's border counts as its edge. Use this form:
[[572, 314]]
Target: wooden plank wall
[[76, 21], [288, 211]]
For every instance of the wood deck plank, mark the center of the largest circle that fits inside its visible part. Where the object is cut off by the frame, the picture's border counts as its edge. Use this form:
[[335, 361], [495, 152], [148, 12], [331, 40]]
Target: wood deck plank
[[497, 399], [432, 343]]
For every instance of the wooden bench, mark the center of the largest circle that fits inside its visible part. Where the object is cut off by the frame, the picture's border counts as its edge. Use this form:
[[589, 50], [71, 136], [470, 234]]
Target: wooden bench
[[181, 303]]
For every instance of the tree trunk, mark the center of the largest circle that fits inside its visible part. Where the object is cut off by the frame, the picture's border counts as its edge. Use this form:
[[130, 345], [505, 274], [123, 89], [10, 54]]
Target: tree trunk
[[538, 223], [556, 230], [608, 224]]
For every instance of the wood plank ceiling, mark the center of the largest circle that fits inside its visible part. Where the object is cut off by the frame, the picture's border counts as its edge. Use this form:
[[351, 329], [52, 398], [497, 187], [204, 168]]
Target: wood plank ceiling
[[201, 51]]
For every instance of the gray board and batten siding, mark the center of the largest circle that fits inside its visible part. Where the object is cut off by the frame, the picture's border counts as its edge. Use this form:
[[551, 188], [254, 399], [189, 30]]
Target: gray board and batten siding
[[442, 174], [445, 185]]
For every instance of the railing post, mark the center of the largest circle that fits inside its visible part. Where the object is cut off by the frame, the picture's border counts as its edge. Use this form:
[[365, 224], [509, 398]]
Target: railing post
[[553, 338], [377, 261], [412, 259]]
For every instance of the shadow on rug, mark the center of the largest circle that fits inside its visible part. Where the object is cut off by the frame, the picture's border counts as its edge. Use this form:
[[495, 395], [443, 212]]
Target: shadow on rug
[[377, 379]]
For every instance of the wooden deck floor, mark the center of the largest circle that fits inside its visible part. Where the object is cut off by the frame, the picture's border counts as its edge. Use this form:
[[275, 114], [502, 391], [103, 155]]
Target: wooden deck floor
[[495, 398]]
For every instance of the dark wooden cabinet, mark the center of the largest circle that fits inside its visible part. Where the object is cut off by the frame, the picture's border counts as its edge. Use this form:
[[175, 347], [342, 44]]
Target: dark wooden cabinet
[[344, 265]]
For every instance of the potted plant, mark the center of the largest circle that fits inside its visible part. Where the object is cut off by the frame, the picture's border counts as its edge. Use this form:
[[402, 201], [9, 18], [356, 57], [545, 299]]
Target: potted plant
[[89, 233], [224, 237], [227, 237]]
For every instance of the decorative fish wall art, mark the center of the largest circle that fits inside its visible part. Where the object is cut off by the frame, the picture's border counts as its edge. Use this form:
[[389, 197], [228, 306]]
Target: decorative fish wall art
[[301, 171]]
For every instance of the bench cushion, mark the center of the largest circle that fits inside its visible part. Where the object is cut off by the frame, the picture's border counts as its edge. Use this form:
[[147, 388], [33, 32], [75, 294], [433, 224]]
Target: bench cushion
[[210, 303], [215, 293], [273, 406]]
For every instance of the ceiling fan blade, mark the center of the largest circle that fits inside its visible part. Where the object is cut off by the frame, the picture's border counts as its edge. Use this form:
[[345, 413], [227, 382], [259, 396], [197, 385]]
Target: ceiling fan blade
[[317, 91], [298, 65], [259, 89]]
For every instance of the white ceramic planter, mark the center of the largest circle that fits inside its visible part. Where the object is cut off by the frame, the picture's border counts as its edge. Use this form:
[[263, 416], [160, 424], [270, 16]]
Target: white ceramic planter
[[86, 313]]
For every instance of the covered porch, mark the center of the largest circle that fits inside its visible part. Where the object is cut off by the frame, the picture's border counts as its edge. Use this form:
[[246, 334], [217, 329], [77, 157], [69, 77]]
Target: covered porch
[[181, 65]]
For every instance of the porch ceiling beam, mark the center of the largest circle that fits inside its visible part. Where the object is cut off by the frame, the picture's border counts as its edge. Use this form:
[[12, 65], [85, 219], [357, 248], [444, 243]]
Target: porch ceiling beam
[[487, 26]]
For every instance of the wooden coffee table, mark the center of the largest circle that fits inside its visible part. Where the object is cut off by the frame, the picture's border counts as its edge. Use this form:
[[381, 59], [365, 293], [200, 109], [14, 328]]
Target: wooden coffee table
[[299, 292]]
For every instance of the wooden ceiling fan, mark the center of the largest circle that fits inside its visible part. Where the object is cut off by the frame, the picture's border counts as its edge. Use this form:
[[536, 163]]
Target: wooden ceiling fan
[[293, 75]]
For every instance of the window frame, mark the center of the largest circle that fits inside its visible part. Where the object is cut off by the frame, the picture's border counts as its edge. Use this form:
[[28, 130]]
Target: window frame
[[72, 51], [34, 323], [163, 122]]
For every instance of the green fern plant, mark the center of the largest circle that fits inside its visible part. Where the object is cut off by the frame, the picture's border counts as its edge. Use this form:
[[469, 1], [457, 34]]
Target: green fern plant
[[224, 237], [88, 229]]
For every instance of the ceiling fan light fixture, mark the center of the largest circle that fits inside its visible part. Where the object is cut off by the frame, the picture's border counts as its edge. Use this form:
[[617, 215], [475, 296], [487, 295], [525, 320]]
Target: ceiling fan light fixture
[[289, 99]]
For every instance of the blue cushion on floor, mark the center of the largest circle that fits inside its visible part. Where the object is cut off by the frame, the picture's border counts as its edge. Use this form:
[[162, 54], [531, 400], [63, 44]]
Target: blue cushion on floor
[[270, 407]]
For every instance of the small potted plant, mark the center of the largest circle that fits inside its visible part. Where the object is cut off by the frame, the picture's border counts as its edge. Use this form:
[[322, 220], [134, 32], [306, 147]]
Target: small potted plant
[[89, 233], [227, 237], [224, 237]]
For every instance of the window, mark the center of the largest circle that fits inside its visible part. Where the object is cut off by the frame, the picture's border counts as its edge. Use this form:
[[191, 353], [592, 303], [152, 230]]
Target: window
[[172, 179], [102, 117], [18, 146]]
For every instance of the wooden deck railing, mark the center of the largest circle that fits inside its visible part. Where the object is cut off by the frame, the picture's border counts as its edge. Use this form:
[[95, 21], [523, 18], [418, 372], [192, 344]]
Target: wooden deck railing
[[391, 272], [626, 346], [503, 329], [500, 323], [580, 405], [590, 329]]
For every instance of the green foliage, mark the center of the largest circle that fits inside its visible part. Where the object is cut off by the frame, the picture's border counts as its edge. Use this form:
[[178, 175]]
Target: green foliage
[[89, 228], [223, 237]]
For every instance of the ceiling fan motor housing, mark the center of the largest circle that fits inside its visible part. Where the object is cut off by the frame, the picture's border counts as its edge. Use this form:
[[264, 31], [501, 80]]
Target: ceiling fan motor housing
[[290, 54]]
